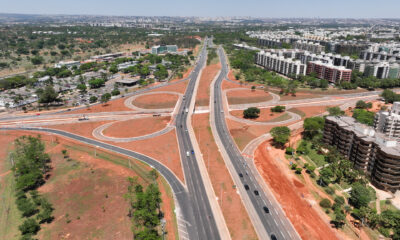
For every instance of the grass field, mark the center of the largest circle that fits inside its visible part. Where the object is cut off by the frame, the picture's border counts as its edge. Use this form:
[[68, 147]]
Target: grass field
[[297, 111]]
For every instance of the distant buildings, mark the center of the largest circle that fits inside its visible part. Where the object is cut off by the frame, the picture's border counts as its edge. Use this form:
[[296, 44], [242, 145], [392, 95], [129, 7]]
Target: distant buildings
[[161, 49], [125, 65], [372, 152], [280, 64], [309, 46], [330, 72], [69, 64], [107, 57]]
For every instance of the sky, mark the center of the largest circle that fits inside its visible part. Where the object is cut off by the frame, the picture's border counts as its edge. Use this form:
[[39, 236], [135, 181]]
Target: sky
[[210, 8]]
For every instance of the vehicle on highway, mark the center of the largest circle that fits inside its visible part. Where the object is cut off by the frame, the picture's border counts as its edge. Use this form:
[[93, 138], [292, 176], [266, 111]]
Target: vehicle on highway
[[186, 110], [273, 237], [246, 187], [266, 210], [38, 114], [256, 192], [187, 154], [192, 151], [83, 118], [240, 175]]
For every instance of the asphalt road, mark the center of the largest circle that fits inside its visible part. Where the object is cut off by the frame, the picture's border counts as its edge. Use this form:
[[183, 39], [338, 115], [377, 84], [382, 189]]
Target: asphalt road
[[202, 213], [273, 222]]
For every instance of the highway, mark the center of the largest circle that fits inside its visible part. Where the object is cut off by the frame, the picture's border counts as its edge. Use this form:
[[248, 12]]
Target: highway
[[274, 221], [203, 215]]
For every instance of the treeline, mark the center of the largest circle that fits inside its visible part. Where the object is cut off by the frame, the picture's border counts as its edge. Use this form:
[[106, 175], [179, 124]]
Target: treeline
[[144, 209], [30, 166], [369, 82], [212, 54], [16, 82], [180, 41]]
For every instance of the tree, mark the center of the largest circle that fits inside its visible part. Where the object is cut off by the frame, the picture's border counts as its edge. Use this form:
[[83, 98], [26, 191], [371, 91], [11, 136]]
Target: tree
[[251, 112], [29, 226], [278, 109], [335, 111], [364, 116], [96, 83], [363, 105], [325, 203], [253, 88], [105, 98], [280, 135], [81, 87], [313, 126], [390, 96], [93, 99], [359, 195], [113, 69], [48, 95], [115, 92], [36, 60]]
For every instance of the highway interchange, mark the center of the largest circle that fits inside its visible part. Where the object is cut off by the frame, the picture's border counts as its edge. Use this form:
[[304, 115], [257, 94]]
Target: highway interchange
[[195, 210]]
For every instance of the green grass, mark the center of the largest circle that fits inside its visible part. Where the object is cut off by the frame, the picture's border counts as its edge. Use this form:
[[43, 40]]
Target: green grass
[[282, 117], [314, 157], [10, 217], [387, 206]]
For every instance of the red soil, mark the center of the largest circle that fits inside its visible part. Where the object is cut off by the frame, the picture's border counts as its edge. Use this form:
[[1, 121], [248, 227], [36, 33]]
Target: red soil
[[243, 96], [111, 106], [179, 87], [229, 85], [156, 101], [298, 96], [265, 115], [207, 76], [236, 217], [136, 127], [288, 193], [311, 110], [102, 212], [163, 148]]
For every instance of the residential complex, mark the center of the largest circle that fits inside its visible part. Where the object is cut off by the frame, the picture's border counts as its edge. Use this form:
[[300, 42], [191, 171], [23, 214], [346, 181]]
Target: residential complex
[[280, 64], [309, 46], [370, 151], [330, 72], [388, 122]]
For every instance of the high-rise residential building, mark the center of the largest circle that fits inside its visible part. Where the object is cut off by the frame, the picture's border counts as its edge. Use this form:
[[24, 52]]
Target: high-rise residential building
[[280, 64], [334, 74], [388, 122], [382, 70], [370, 151]]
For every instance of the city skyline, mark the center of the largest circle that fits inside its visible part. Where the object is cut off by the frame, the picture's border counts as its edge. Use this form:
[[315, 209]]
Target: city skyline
[[207, 8]]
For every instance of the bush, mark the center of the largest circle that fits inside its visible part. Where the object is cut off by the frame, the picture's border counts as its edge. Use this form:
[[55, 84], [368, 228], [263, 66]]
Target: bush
[[298, 170], [302, 148], [293, 166], [251, 113], [289, 151], [325, 203], [115, 92], [329, 190], [29, 226], [93, 99], [278, 109]]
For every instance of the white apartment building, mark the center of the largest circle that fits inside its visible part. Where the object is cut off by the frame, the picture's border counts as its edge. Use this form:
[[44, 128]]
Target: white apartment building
[[388, 122], [280, 64]]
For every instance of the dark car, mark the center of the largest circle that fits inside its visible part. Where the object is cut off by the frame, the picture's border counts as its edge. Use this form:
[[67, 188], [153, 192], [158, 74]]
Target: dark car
[[192, 151], [266, 210], [273, 237], [246, 187], [256, 192], [240, 175]]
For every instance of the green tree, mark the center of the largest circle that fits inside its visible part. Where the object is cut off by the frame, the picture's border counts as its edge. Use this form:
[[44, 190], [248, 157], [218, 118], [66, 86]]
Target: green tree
[[359, 195], [363, 105], [29, 226], [93, 99], [325, 203], [251, 112], [280, 135], [96, 83], [313, 126], [81, 87], [364, 116], [36, 60], [278, 109], [335, 111], [105, 98]]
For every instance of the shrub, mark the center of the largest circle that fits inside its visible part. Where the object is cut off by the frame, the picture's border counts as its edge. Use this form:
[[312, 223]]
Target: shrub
[[251, 113], [329, 190], [29, 226], [278, 109], [298, 170], [325, 203], [289, 151]]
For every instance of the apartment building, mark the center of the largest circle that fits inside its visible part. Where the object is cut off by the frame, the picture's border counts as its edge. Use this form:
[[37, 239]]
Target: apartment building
[[161, 49], [335, 59], [270, 42], [334, 74], [388, 122], [382, 70], [309, 46], [370, 151], [280, 64]]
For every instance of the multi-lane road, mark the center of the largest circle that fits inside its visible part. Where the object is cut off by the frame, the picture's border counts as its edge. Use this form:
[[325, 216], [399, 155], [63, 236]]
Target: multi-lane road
[[265, 213]]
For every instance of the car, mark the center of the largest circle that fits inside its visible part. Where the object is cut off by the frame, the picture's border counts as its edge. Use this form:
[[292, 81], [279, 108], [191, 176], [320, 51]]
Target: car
[[273, 237], [187, 154], [266, 210], [240, 175], [192, 151], [256, 193], [37, 114], [246, 187]]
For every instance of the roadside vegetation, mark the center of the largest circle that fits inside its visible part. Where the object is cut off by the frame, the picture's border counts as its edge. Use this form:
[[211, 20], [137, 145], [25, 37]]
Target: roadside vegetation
[[31, 166]]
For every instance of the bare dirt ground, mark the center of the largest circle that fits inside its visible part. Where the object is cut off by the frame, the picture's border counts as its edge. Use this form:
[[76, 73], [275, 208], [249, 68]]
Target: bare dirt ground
[[244, 133], [288, 192], [156, 101], [229, 85], [309, 111], [265, 115], [207, 76], [298, 96], [179, 87], [87, 193], [247, 96], [136, 127], [111, 106], [163, 148], [239, 224]]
